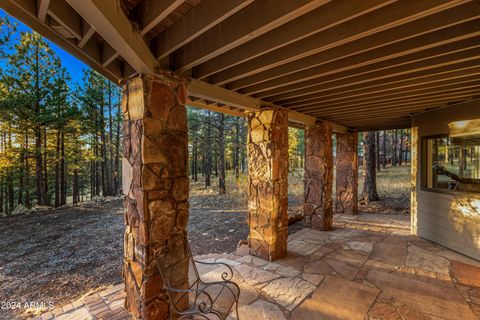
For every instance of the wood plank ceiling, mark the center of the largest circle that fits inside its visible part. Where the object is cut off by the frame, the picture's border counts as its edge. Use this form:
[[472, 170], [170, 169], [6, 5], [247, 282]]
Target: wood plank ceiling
[[365, 65]]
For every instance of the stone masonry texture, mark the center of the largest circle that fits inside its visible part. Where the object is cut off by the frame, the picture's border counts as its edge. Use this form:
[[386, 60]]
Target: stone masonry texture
[[156, 188], [317, 208], [267, 149], [347, 173]]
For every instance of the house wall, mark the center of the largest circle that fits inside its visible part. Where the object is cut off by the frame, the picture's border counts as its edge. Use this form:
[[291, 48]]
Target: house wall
[[449, 218]]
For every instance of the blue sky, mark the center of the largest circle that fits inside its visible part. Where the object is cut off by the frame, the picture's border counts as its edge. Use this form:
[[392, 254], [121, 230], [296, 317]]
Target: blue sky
[[72, 64]]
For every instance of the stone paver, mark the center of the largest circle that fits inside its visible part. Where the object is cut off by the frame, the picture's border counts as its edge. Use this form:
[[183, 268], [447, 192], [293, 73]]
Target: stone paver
[[336, 298], [260, 310], [466, 274], [341, 274], [288, 292], [429, 299], [423, 259]]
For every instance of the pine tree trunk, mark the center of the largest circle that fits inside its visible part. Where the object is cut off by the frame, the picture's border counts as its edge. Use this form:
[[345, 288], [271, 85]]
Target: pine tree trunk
[[208, 158], [369, 192], [75, 195], [41, 192], [384, 149], [45, 165], [236, 155], [63, 170], [400, 156], [111, 173], [116, 180], [221, 149], [57, 171], [395, 143], [27, 173], [39, 166], [98, 180], [377, 149], [103, 151], [21, 174], [93, 178], [11, 196], [1, 195]]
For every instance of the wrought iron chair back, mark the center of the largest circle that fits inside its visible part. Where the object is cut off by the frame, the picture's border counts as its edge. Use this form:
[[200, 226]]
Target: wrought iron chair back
[[196, 298]]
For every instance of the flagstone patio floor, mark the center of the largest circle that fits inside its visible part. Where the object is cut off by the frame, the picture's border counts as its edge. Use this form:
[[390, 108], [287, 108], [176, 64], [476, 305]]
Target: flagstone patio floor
[[361, 270]]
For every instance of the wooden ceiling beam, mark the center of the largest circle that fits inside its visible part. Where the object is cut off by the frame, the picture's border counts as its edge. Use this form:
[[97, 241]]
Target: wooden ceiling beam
[[387, 17], [42, 8], [88, 32], [206, 91], [396, 94], [262, 16], [386, 92], [350, 77], [66, 17], [115, 28], [394, 105], [327, 16], [109, 54], [152, 12], [385, 40], [202, 18], [440, 64], [25, 12], [214, 108], [382, 58], [441, 76]]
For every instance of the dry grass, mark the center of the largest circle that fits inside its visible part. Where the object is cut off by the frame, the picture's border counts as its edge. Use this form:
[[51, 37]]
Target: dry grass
[[392, 183]]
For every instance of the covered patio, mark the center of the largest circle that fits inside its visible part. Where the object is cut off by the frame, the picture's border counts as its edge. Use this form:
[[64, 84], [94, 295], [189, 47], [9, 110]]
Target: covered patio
[[332, 68], [361, 273]]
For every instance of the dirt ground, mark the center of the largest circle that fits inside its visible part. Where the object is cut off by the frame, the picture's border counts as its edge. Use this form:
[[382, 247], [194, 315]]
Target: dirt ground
[[61, 255], [58, 256]]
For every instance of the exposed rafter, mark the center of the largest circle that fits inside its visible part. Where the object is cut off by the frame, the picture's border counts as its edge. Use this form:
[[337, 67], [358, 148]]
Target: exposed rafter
[[152, 12], [361, 64], [235, 31], [42, 8], [87, 34], [405, 36], [327, 16], [206, 15], [385, 18], [428, 45], [66, 17], [110, 22]]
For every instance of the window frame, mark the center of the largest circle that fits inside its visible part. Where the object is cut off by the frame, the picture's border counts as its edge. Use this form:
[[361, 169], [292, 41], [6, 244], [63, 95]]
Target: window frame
[[424, 169]]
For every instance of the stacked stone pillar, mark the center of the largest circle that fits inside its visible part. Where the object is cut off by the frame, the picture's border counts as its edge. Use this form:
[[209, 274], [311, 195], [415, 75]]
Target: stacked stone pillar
[[414, 147], [267, 149], [347, 173], [317, 208], [155, 184]]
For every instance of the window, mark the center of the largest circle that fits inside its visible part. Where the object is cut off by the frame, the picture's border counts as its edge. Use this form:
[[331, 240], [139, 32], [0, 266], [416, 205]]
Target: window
[[452, 163]]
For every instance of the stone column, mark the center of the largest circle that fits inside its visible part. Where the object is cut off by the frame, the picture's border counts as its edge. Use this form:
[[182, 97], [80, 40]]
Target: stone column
[[155, 184], [317, 208], [267, 149], [347, 173], [414, 180]]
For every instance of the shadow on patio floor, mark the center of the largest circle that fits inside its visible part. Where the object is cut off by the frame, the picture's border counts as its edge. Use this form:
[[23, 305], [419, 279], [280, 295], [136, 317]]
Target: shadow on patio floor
[[367, 268]]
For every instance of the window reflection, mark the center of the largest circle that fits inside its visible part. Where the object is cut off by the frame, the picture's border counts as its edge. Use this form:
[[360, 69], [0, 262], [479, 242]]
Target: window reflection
[[452, 164]]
